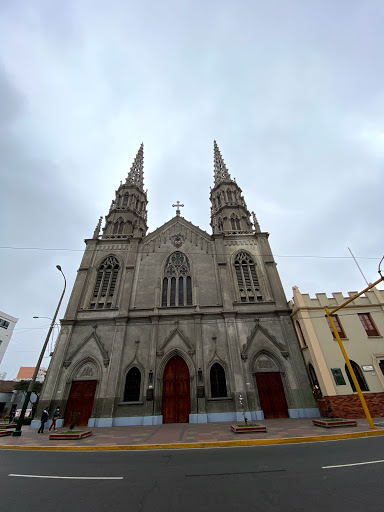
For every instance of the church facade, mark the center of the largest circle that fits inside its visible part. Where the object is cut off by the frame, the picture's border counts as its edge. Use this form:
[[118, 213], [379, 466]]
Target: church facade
[[177, 325]]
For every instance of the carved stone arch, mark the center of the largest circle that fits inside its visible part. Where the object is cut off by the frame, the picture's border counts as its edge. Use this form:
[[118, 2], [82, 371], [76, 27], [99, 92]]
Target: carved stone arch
[[267, 356], [167, 357], [217, 359], [280, 367], [80, 369], [103, 257], [133, 364], [246, 347], [190, 349], [103, 353]]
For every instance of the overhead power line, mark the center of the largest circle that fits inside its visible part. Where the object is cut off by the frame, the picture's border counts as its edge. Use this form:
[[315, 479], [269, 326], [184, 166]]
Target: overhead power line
[[189, 252]]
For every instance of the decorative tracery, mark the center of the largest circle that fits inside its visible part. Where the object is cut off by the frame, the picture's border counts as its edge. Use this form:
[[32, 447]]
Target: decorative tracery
[[247, 279], [177, 282]]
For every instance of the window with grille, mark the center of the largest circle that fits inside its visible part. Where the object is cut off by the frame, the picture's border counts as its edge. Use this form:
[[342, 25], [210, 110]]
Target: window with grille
[[105, 282], [218, 382], [359, 376], [339, 327], [132, 385], [177, 282], [369, 326], [246, 276], [125, 199]]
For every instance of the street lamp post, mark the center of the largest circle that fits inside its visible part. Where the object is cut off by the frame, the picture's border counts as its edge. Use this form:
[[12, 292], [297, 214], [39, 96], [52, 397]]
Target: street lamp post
[[17, 431]]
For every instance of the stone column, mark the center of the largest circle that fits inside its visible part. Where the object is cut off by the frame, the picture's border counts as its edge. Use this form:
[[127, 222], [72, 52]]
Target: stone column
[[201, 385], [114, 372]]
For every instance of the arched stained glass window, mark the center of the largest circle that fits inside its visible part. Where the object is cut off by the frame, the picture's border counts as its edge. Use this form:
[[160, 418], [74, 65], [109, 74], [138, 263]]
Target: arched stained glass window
[[105, 282], [132, 385], [247, 281], [218, 382], [359, 376], [177, 282]]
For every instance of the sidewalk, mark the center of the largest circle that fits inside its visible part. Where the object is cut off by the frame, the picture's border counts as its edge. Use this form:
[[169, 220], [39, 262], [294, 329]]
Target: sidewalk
[[191, 435]]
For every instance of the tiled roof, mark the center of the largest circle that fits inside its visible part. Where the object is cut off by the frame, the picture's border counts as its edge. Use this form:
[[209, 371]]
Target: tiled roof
[[25, 372]]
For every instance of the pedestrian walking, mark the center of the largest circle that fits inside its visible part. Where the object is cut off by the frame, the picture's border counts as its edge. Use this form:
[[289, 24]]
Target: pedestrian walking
[[55, 417], [43, 419]]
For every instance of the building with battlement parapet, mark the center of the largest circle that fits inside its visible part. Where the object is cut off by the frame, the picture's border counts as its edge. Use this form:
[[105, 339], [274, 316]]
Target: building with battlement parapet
[[360, 325]]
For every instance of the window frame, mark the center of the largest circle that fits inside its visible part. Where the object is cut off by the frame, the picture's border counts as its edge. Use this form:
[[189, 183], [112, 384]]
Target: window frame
[[339, 327], [125, 397], [217, 384], [371, 333]]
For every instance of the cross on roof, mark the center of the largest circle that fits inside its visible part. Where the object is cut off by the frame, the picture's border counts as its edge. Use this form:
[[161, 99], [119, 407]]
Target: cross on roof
[[178, 205]]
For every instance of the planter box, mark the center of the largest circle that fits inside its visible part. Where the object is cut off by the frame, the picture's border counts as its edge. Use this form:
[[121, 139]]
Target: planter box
[[75, 434], [238, 429], [4, 433], [334, 422]]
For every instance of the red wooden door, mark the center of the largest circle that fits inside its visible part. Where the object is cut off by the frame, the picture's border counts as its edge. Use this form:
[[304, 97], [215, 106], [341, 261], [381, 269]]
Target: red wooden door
[[80, 401], [271, 394], [176, 392]]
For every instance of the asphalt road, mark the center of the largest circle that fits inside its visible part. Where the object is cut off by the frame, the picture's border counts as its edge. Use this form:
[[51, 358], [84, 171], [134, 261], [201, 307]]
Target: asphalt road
[[289, 478]]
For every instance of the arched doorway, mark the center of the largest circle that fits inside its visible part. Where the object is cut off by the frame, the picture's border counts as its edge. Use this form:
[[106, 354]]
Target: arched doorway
[[176, 392], [359, 376], [80, 402]]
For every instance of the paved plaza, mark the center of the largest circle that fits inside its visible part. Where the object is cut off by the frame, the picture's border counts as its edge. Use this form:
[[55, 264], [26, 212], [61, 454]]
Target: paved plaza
[[181, 433]]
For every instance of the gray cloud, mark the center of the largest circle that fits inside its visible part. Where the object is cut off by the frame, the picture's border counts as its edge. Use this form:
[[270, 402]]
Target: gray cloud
[[292, 92]]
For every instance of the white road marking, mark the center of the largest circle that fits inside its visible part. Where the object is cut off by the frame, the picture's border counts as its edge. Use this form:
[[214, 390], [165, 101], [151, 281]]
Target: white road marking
[[355, 464], [70, 477]]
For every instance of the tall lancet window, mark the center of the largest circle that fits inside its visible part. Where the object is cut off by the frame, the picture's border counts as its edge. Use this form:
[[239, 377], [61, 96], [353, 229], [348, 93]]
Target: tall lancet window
[[118, 227], [105, 283], [125, 199], [177, 281], [229, 195], [246, 276], [235, 222]]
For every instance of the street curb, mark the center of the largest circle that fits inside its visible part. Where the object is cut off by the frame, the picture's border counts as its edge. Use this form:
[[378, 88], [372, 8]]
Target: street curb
[[204, 444]]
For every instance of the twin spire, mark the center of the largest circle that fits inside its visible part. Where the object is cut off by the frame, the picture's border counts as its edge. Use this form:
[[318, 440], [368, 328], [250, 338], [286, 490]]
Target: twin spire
[[136, 174]]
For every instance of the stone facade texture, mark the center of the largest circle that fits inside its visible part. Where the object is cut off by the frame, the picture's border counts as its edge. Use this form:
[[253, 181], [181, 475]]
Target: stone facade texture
[[226, 306]]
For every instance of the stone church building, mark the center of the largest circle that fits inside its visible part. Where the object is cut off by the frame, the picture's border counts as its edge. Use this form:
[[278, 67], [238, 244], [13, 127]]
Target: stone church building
[[177, 325]]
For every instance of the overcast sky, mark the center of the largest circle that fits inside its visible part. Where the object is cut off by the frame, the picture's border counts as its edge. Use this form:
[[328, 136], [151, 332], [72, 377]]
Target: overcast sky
[[291, 90]]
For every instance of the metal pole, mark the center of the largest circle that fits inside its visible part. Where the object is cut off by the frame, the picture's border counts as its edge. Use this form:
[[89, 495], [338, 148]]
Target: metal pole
[[349, 366], [17, 431], [352, 373]]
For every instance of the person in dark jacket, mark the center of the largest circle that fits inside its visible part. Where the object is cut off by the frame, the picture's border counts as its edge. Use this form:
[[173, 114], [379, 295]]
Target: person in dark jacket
[[43, 419], [55, 417]]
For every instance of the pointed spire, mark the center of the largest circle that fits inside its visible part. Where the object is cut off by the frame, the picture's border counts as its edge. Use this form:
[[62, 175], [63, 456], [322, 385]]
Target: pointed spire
[[97, 229], [220, 169], [136, 174]]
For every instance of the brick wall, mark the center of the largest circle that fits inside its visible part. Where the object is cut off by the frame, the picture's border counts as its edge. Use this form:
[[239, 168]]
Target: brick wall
[[349, 406]]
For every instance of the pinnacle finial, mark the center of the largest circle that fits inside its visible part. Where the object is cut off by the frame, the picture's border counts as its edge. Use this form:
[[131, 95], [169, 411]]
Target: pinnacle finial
[[97, 228], [136, 174], [220, 169]]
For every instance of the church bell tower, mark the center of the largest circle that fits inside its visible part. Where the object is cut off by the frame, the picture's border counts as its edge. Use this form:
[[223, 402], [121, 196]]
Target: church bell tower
[[229, 212]]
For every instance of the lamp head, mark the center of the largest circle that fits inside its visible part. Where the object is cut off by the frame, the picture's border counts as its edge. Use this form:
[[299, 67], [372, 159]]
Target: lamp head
[[58, 267]]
